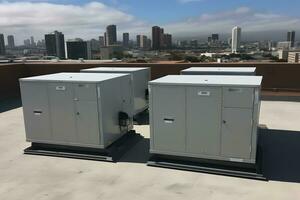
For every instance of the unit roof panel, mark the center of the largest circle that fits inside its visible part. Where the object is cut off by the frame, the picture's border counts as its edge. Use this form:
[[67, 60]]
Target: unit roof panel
[[114, 69], [221, 69], [208, 80], [74, 77]]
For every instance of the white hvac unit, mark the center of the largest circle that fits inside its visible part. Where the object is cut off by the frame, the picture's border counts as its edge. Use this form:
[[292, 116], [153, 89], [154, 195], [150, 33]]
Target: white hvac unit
[[246, 71], [76, 109], [140, 78], [206, 117]]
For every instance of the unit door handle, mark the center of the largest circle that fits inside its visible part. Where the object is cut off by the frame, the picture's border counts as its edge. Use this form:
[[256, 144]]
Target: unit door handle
[[224, 122]]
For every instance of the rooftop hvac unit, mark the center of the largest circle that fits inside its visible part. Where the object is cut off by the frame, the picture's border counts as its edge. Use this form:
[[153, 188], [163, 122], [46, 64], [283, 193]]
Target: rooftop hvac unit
[[76, 109], [205, 117], [140, 78], [246, 71]]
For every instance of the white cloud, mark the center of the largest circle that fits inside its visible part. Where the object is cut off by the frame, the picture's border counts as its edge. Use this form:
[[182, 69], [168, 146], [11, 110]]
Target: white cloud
[[87, 21], [222, 22], [24, 19]]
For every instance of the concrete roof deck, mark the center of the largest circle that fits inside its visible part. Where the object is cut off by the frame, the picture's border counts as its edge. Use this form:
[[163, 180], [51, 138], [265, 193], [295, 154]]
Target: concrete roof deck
[[40, 177]]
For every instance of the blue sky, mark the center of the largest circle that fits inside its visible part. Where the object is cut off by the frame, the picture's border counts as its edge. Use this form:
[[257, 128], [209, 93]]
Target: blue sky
[[182, 18], [163, 11]]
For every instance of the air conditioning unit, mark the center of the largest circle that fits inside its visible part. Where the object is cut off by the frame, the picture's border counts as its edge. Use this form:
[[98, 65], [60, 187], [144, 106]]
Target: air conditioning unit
[[140, 78], [245, 71], [77, 110], [205, 117]]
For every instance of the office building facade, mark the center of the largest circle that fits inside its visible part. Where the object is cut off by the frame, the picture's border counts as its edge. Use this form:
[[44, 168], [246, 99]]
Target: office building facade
[[78, 48], [2, 45], [236, 39], [156, 37], [11, 41], [125, 39], [291, 38], [111, 34], [55, 44]]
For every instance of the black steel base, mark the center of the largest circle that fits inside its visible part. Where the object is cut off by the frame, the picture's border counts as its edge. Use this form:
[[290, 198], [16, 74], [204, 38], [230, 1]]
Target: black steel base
[[111, 154], [242, 170]]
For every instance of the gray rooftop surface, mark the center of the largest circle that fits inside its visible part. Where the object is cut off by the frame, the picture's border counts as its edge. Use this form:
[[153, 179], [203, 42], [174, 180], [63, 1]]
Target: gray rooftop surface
[[220, 69], [74, 77], [117, 69], [50, 178], [212, 80]]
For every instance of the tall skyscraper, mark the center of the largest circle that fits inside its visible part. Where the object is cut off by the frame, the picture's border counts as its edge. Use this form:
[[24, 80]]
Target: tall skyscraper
[[156, 37], [142, 41], [79, 49], [27, 43], [105, 39], [55, 44], [236, 39], [162, 39], [101, 41], [168, 41], [215, 37], [10, 41], [32, 43], [125, 39], [291, 37], [2, 45], [111, 34]]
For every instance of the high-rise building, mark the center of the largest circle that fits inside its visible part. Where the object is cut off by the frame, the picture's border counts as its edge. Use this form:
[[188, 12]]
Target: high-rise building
[[236, 39], [40, 43], [162, 39], [291, 37], [105, 39], [125, 39], [215, 37], [142, 41], [168, 41], [79, 49], [194, 43], [111, 34], [2, 45], [138, 41], [101, 41], [10, 41], [55, 44], [156, 35], [32, 43], [95, 45], [27, 43], [209, 39]]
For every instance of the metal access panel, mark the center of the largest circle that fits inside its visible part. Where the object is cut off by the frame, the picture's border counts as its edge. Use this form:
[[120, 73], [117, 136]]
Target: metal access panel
[[245, 71], [203, 106], [76, 109], [169, 118], [140, 78], [209, 117]]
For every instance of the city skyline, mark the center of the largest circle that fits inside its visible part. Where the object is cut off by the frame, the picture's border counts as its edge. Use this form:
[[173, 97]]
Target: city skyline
[[91, 18]]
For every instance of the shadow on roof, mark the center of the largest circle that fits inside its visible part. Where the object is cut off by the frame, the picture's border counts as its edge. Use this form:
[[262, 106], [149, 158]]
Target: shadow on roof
[[10, 104], [281, 150], [280, 159], [281, 98]]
